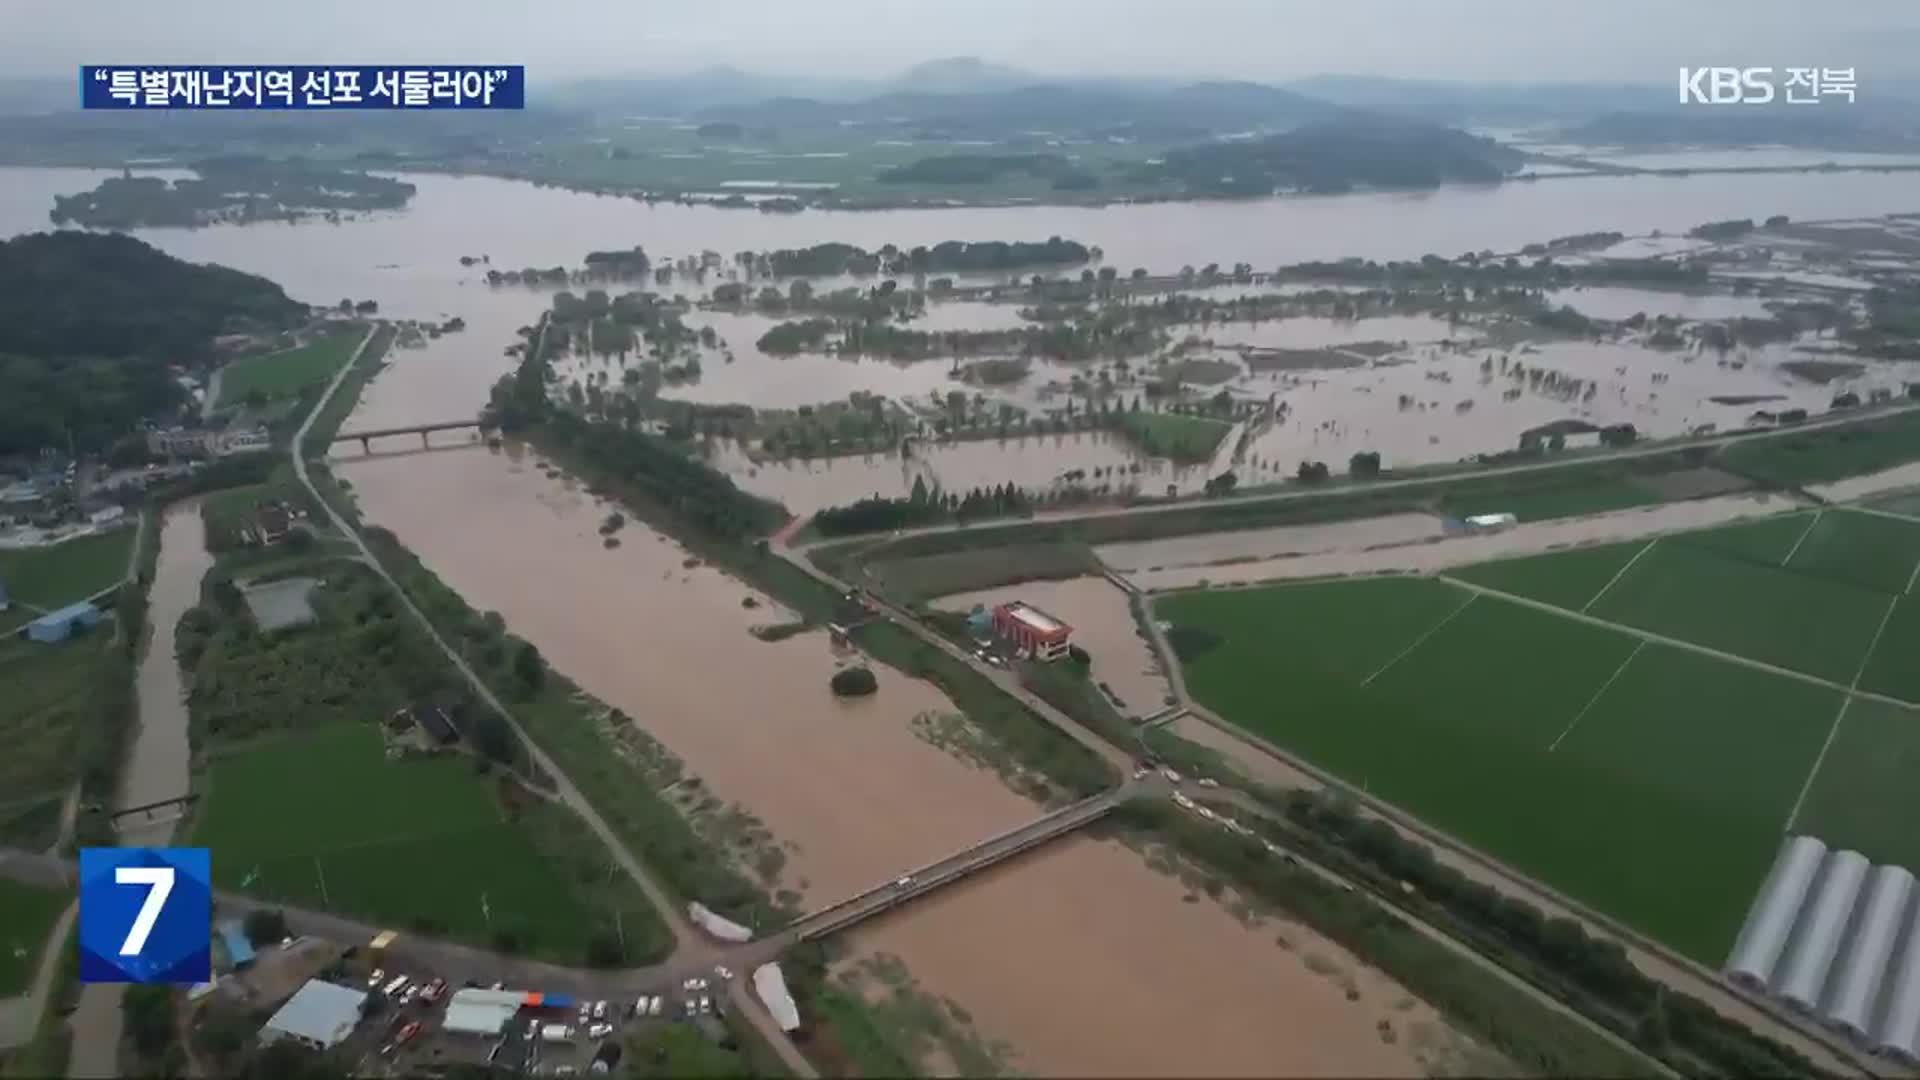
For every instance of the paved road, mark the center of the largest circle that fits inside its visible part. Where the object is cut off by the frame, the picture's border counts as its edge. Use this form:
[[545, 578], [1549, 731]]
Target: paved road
[[1650, 449]]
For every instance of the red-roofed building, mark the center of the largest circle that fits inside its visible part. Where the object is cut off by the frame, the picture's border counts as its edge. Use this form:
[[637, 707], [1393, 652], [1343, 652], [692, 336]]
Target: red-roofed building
[[1032, 630]]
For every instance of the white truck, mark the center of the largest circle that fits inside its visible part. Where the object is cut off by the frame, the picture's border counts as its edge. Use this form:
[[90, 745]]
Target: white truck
[[557, 1033]]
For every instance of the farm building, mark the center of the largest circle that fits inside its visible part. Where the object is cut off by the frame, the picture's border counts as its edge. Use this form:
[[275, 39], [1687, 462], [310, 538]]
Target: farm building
[[237, 947], [1032, 630], [1832, 936], [433, 721], [58, 626], [482, 1012], [1823, 922], [1764, 937], [320, 1015], [271, 524]]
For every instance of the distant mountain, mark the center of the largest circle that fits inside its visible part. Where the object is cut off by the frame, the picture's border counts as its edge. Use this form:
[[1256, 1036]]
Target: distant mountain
[[683, 94], [961, 75], [1190, 111]]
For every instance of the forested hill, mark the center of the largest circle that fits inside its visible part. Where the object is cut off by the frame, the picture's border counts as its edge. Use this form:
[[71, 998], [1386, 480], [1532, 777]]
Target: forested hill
[[89, 324], [1336, 157], [105, 294]]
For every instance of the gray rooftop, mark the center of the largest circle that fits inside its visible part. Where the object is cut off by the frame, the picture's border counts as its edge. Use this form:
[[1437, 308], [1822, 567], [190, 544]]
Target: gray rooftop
[[320, 1012]]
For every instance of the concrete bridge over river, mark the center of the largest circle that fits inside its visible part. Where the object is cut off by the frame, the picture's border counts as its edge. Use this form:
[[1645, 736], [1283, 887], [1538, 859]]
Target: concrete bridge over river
[[425, 431]]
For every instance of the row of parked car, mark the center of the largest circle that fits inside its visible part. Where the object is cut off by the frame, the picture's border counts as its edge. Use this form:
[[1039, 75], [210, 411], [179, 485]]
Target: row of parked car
[[404, 989]]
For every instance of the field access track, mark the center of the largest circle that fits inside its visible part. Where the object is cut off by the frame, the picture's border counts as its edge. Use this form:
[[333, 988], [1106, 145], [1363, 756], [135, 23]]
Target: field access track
[[1635, 724]]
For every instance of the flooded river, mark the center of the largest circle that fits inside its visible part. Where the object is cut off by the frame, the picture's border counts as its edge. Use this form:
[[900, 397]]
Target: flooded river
[[1082, 957], [857, 797], [160, 758]]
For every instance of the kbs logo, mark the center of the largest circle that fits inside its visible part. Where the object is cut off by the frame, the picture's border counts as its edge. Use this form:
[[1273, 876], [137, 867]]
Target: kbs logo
[[1758, 86], [146, 915]]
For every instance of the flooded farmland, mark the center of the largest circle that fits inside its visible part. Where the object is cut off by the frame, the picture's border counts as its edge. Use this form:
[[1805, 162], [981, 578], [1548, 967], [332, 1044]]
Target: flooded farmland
[[850, 789], [1036, 462]]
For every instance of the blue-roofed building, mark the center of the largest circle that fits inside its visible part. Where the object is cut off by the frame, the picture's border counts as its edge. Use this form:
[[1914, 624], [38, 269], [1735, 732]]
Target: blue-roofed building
[[233, 936], [58, 626]]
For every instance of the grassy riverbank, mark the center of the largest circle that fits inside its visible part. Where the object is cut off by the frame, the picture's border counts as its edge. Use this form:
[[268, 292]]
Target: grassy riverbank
[[336, 409], [579, 735], [390, 822], [286, 374]]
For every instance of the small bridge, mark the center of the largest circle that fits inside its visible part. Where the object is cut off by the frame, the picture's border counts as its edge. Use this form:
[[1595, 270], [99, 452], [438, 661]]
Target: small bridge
[[968, 861], [367, 436], [134, 817]]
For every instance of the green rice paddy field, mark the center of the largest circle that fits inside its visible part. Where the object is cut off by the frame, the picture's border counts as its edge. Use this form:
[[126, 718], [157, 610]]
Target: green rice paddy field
[[326, 820], [1649, 774]]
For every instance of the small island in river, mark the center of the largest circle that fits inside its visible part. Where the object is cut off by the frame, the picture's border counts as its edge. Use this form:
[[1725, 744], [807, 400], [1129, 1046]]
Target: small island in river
[[231, 190]]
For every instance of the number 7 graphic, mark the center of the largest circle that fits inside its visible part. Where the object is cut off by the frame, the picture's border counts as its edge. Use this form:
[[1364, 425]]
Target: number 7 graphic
[[146, 915], [159, 879]]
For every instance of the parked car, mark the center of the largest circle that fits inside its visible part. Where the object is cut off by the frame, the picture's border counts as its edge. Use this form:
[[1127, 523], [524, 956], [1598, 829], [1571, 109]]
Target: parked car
[[376, 977], [706, 1004], [599, 1010], [659, 1002], [1208, 782], [408, 1032]]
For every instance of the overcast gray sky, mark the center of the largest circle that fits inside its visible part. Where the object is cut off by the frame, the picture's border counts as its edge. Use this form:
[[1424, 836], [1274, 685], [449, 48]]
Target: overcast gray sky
[[1506, 40]]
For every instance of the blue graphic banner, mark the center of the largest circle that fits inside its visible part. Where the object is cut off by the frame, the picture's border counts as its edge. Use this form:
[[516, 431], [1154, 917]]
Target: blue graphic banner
[[249, 86], [146, 915]]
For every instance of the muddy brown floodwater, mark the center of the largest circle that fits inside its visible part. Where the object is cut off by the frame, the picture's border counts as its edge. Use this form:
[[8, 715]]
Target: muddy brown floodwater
[[1082, 957], [849, 783], [1102, 624], [1091, 964], [1033, 462]]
